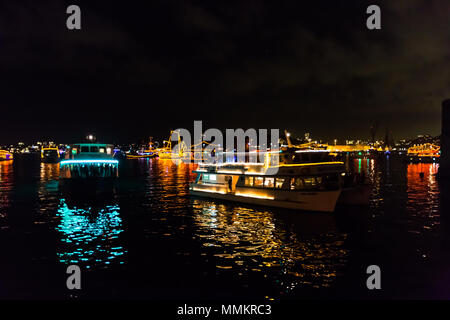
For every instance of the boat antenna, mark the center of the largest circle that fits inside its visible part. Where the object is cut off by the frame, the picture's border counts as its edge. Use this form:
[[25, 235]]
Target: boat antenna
[[288, 139]]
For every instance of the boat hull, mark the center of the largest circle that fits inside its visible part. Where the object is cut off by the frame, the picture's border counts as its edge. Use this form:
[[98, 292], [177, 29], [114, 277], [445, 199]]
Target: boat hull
[[50, 160], [320, 201]]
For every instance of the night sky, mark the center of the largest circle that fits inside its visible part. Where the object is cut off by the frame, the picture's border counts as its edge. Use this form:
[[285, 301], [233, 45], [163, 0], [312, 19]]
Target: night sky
[[140, 68]]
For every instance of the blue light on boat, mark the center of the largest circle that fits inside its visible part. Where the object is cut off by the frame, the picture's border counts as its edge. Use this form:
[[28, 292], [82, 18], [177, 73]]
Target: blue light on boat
[[90, 161]]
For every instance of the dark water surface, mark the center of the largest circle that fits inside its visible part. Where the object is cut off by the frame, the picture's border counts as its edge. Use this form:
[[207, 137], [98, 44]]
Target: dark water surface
[[149, 239]]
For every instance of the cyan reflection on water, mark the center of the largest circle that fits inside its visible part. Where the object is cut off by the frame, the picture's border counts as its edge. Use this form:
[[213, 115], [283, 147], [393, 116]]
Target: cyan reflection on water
[[90, 235], [151, 234], [89, 228]]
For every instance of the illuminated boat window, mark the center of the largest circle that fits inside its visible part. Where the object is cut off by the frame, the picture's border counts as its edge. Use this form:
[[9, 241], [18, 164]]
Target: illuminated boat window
[[249, 181], [259, 182], [279, 183], [212, 177], [269, 182], [305, 183], [312, 181], [297, 184], [308, 181], [102, 150]]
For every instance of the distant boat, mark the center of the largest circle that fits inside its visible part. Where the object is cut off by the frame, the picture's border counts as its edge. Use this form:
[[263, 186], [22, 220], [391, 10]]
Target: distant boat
[[425, 153], [89, 162], [5, 155], [142, 154], [167, 152], [50, 155]]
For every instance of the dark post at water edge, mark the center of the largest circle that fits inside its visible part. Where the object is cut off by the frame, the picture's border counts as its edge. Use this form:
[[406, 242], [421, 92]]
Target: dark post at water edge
[[444, 161]]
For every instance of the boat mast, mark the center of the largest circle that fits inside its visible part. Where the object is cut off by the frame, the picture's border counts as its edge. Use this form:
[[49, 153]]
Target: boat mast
[[288, 139]]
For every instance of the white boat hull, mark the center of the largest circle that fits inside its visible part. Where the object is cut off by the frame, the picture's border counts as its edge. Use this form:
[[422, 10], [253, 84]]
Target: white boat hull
[[322, 201]]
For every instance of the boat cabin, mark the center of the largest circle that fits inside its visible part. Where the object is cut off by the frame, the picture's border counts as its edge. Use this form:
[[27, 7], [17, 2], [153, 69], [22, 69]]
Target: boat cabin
[[89, 160]]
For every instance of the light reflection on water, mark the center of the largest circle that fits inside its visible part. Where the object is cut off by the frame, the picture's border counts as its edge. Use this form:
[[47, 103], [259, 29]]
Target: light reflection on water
[[423, 192], [246, 240], [89, 229], [90, 236], [153, 218], [6, 185]]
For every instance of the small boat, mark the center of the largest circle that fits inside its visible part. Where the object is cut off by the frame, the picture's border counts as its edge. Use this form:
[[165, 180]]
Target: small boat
[[5, 155], [145, 154], [424, 153], [89, 163], [50, 155], [167, 152]]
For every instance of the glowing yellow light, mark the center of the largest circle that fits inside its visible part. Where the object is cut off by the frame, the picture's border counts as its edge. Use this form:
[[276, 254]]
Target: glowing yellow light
[[229, 172], [306, 164], [49, 149], [253, 195], [5, 155], [210, 191], [233, 164]]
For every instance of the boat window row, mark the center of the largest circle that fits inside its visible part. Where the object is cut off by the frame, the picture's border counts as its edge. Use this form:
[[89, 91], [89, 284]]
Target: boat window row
[[292, 183], [264, 182], [91, 149], [209, 177]]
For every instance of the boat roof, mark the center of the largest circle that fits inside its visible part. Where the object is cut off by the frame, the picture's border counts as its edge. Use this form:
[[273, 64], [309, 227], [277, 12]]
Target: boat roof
[[92, 144], [261, 169]]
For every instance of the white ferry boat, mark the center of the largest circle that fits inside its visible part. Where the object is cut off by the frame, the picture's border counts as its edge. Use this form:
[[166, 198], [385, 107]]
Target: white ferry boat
[[302, 180], [89, 162]]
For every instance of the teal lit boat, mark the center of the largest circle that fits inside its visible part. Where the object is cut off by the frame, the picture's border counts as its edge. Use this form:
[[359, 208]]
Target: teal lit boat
[[89, 162]]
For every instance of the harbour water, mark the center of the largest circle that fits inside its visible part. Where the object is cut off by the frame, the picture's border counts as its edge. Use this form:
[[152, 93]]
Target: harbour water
[[148, 239]]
